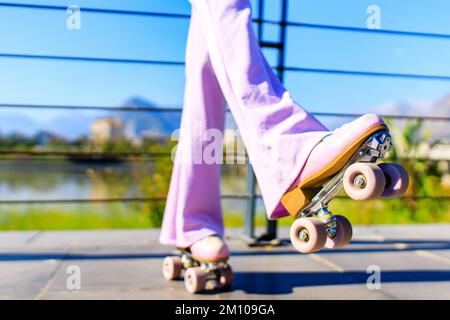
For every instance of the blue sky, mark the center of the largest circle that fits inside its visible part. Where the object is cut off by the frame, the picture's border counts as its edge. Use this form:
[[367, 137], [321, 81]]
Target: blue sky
[[120, 36]]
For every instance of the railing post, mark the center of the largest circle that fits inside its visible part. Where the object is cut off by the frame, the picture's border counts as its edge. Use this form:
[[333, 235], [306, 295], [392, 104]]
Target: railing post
[[249, 224], [271, 232], [250, 210]]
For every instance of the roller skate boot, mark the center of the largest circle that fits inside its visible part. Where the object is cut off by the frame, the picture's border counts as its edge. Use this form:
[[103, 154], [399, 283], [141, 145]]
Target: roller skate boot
[[204, 265]]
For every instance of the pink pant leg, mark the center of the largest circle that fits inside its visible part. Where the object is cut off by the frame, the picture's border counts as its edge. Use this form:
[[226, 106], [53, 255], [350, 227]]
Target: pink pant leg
[[193, 208], [279, 134]]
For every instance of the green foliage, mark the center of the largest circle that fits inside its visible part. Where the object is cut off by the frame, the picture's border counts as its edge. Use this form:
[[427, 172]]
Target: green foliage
[[75, 217], [156, 185], [152, 181], [425, 175], [17, 141]]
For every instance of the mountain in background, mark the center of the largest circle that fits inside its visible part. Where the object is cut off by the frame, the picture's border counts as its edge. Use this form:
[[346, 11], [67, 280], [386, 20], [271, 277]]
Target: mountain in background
[[70, 125], [73, 124], [441, 108], [138, 122], [11, 122]]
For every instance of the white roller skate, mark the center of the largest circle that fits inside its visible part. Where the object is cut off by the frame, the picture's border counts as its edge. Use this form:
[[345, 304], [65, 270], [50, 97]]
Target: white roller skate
[[204, 265], [344, 159]]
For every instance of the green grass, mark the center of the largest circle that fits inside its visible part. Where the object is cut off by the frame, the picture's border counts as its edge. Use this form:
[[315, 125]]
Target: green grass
[[399, 211], [115, 216], [125, 216], [395, 211]]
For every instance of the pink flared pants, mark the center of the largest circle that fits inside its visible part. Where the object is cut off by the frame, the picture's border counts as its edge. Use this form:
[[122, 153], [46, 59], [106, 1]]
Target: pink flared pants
[[225, 66]]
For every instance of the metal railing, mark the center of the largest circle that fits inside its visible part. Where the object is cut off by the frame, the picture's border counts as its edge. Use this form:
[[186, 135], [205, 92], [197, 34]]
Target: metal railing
[[251, 196]]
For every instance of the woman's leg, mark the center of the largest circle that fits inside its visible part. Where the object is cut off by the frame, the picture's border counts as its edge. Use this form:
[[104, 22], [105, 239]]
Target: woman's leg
[[279, 134], [193, 208]]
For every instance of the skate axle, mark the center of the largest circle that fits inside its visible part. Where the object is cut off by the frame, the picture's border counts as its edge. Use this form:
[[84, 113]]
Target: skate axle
[[359, 181], [328, 220], [304, 236]]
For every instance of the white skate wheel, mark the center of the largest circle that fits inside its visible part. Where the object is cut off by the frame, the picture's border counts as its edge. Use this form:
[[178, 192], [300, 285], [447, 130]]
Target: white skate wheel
[[363, 181], [397, 180], [308, 235], [195, 279], [344, 233], [226, 277], [171, 268]]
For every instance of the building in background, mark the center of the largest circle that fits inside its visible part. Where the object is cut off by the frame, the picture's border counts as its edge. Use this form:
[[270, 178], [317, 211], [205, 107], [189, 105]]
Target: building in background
[[107, 129]]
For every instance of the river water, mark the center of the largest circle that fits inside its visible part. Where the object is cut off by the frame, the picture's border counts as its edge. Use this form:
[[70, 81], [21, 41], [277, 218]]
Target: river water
[[58, 179]]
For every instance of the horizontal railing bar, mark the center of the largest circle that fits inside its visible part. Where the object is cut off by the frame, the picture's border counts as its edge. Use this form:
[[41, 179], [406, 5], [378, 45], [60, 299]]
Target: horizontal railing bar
[[178, 109], [391, 116], [366, 30], [91, 59], [92, 154], [369, 73], [97, 154], [181, 63], [96, 10], [104, 200], [270, 44], [154, 199], [257, 20], [130, 154], [94, 108]]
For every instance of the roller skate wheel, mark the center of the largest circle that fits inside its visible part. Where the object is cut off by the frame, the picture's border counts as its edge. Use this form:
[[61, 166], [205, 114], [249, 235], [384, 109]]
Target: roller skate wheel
[[344, 233], [226, 277], [195, 279], [171, 268], [363, 181], [397, 180], [308, 235]]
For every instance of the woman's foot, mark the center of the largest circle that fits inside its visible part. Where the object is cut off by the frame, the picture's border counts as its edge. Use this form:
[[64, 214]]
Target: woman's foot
[[205, 260], [327, 158], [210, 249]]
